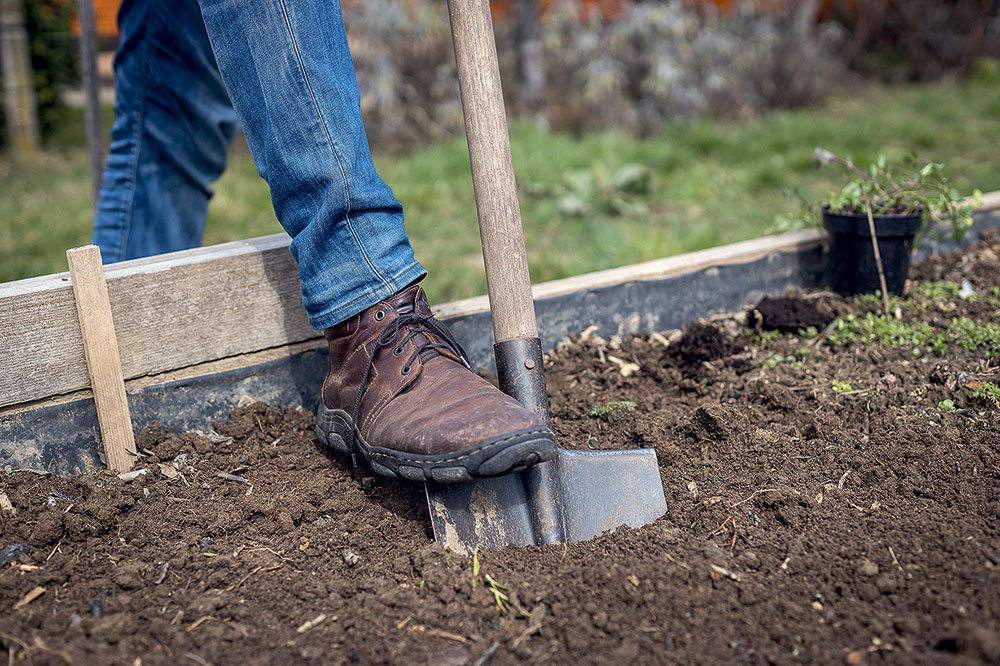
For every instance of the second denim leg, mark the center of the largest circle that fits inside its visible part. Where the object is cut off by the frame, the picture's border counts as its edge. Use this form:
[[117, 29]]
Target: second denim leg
[[174, 124], [289, 72]]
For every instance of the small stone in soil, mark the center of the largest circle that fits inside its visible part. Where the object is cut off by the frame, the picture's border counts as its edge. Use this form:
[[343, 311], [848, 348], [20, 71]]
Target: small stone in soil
[[11, 552]]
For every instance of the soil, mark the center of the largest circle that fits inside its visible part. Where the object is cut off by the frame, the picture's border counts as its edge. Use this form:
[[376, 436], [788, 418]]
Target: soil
[[806, 523]]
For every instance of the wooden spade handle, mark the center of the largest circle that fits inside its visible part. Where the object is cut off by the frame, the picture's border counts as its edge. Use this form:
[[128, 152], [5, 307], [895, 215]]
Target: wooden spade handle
[[100, 347], [507, 279]]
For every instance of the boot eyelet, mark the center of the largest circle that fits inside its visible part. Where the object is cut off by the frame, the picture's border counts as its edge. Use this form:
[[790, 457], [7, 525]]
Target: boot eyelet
[[405, 370], [397, 351], [379, 315]]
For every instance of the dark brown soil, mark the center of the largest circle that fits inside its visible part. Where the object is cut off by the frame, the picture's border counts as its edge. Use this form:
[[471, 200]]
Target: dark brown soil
[[805, 525], [789, 315]]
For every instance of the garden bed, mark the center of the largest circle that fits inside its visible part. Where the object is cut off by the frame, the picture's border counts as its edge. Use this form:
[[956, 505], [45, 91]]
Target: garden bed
[[833, 497]]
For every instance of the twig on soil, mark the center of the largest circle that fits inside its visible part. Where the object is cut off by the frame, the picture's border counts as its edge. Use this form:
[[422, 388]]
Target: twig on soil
[[6, 506], [898, 565], [680, 564], [840, 484], [490, 651], [720, 527], [59, 543], [421, 629], [306, 626], [529, 631], [754, 494], [195, 658], [273, 567], [14, 639], [29, 597], [38, 644], [726, 572], [197, 623], [238, 479]]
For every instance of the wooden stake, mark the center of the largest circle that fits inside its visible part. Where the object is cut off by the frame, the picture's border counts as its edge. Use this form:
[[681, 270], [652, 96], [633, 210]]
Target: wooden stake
[[878, 257], [100, 347]]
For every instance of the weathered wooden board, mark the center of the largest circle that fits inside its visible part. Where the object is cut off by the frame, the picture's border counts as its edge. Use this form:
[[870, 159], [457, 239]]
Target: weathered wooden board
[[170, 312]]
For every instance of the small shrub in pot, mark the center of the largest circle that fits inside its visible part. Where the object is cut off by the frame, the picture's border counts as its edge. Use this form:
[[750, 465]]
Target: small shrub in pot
[[902, 202]]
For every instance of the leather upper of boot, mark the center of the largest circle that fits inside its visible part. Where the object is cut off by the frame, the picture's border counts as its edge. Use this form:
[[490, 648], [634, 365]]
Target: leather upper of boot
[[408, 386]]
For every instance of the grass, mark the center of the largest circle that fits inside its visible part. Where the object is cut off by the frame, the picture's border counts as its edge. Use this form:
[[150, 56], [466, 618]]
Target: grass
[[987, 391], [920, 336], [604, 411], [709, 183]]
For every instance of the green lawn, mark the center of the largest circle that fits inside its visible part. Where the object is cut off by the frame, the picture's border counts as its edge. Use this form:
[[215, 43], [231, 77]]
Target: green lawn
[[710, 183]]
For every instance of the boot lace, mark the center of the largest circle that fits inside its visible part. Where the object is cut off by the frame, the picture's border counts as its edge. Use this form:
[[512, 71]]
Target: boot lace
[[409, 324]]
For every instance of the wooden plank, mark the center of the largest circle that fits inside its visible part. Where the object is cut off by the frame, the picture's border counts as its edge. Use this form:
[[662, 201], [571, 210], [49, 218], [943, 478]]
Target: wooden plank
[[100, 346], [723, 255], [171, 312], [990, 201]]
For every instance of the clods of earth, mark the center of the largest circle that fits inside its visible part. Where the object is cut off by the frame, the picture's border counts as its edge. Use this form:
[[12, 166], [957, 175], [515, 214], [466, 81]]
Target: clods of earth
[[832, 476]]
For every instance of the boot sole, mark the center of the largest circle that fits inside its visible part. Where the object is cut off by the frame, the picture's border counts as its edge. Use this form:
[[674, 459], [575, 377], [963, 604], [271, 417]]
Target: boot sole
[[503, 455]]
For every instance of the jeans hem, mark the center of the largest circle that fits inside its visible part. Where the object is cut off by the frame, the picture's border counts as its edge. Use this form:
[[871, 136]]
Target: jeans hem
[[342, 313]]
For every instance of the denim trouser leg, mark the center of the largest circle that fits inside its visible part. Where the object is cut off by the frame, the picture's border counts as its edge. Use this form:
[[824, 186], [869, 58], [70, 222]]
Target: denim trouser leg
[[174, 124], [289, 73]]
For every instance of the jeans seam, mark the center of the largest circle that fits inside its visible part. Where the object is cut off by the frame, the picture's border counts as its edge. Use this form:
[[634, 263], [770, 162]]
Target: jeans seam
[[330, 142], [366, 294]]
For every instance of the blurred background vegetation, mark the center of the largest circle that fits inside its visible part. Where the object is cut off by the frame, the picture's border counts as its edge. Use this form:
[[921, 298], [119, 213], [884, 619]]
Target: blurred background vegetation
[[639, 129]]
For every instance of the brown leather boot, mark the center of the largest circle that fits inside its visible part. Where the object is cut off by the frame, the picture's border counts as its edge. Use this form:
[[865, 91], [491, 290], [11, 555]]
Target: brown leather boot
[[401, 394]]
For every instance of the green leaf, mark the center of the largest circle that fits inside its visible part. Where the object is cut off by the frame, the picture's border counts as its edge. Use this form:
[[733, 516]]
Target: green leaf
[[632, 179]]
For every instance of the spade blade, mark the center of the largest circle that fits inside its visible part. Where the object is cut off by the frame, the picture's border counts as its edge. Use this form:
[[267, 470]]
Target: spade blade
[[591, 492]]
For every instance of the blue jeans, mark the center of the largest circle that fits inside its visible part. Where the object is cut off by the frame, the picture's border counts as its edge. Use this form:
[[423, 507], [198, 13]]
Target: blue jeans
[[187, 76]]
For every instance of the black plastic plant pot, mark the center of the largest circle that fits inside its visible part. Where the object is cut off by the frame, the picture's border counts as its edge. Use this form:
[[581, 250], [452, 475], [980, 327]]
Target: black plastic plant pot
[[851, 267]]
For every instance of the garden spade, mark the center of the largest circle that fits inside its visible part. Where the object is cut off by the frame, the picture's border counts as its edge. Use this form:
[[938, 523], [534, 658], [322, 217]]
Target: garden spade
[[580, 494]]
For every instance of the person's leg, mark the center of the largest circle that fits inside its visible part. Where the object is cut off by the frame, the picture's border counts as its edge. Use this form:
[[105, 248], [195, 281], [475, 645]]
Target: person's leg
[[174, 124], [399, 391], [289, 72]]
